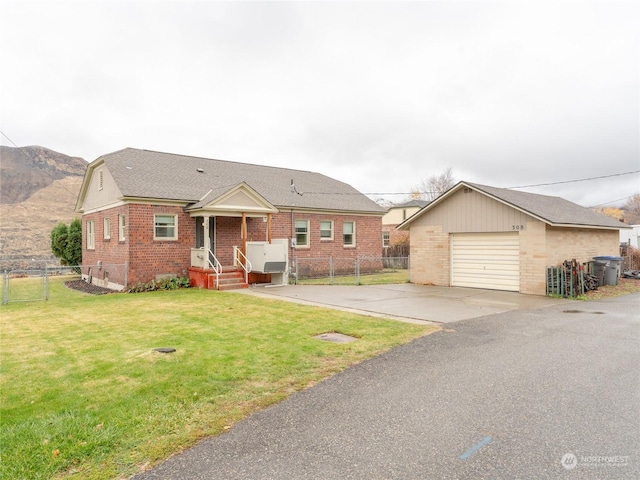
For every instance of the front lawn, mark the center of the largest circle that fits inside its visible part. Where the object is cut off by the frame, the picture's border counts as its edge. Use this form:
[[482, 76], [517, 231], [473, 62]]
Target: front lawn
[[85, 395]]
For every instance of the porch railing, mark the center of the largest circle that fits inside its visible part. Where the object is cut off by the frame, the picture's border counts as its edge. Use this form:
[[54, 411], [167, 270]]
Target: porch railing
[[215, 265], [244, 262]]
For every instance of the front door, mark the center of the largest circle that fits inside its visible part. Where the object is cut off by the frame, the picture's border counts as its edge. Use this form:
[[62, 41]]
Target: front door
[[200, 233]]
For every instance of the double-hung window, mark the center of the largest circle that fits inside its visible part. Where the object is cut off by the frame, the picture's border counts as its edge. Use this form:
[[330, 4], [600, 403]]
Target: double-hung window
[[121, 227], [165, 227], [91, 235], [106, 233], [326, 230], [302, 233], [385, 239], [349, 234]]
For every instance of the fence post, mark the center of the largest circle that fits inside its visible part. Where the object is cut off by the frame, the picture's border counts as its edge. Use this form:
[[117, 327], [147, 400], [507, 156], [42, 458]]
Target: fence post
[[357, 270], [331, 270], [5, 288]]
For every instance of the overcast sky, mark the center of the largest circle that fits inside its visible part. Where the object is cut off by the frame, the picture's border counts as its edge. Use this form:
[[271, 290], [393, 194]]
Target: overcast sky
[[378, 95]]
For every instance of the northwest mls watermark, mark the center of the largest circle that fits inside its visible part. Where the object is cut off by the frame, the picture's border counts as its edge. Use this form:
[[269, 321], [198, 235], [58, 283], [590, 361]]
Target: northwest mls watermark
[[570, 461]]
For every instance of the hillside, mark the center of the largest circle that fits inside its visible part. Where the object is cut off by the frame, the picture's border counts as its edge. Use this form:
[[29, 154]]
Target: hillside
[[38, 189]]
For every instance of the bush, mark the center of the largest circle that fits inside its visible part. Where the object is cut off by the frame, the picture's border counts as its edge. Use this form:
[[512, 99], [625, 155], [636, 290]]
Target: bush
[[172, 283]]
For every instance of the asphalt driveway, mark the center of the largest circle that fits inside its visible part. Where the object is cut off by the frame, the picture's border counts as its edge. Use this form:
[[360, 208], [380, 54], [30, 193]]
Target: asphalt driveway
[[409, 302], [544, 393]]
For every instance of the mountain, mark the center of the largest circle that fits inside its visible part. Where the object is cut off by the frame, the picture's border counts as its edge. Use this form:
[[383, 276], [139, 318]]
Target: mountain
[[38, 188]]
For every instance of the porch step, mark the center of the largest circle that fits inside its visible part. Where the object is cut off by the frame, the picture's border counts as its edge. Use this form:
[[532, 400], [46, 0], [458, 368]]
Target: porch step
[[230, 280]]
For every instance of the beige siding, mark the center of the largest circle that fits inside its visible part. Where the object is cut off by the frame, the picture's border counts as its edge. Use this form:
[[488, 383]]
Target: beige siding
[[474, 212], [395, 216], [97, 197]]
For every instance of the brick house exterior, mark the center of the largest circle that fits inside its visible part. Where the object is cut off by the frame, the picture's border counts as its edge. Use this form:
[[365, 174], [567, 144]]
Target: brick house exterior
[[487, 237], [391, 236], [154, 211]]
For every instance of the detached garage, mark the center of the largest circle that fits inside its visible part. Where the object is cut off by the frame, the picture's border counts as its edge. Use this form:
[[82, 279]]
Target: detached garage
[[485, 237]]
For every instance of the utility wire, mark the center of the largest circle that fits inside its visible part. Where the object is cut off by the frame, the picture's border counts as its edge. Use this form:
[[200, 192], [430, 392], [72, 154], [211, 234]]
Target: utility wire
[[578, 180]]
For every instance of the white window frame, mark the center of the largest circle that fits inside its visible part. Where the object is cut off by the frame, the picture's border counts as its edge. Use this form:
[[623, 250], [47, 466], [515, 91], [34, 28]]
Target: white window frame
[[351, 244], [91, 235], [173, 228], [330, 230], [307, 242], [386, 238], [106, 228], [122, 224]]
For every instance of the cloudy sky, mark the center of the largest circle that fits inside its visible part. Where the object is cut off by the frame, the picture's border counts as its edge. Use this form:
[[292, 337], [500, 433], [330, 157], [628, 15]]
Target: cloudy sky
[[379, 95]]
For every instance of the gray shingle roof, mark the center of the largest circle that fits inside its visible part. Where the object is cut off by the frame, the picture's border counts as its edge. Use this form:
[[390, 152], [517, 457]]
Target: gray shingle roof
[[157, 175], [554, 210]]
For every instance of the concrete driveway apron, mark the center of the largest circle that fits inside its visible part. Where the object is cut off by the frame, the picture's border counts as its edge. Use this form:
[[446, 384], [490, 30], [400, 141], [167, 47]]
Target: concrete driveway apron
[[408, 302]]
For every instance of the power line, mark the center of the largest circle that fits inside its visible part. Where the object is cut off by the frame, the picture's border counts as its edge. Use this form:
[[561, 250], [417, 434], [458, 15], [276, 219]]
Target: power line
[[578, 180]]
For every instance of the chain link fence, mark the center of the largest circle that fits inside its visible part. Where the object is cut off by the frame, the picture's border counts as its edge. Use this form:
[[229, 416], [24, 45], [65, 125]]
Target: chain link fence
[[350, 271], [32, 284]]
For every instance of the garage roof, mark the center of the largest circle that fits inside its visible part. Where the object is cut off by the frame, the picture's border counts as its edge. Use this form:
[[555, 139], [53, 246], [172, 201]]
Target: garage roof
[[554, 211]]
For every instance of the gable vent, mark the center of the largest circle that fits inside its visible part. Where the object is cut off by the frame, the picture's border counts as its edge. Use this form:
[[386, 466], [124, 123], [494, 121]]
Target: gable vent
[[468, 190]]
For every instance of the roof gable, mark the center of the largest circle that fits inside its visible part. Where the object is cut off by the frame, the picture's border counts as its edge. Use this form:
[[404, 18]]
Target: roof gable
[[239, 198], [554, 211], [145, 174]]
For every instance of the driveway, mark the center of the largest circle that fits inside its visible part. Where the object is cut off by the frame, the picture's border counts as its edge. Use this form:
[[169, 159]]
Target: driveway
[[548, 393], [409, 302]]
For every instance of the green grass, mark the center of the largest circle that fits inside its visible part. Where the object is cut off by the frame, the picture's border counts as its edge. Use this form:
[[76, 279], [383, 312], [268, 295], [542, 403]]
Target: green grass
[[386, 277], [84, 394]]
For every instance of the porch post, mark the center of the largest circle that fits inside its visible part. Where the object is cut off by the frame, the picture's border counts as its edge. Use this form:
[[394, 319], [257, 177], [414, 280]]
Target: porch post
[[244, 233], [269, 227], [207, 240]]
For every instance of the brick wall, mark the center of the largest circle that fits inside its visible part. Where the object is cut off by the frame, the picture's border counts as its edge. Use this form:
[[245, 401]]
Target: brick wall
[[580, 243], [430, 252], [533, 258], [148, 258]]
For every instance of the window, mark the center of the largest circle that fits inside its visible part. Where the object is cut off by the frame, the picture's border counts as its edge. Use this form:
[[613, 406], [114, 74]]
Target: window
[[107, 228], [385, 239], [165, 227], [91, 235], [302, 233], [121, 228], [326, 230], [349, 234]]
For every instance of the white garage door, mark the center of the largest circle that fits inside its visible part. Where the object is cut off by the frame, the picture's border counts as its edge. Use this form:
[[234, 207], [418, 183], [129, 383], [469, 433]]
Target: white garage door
[[486, 260]]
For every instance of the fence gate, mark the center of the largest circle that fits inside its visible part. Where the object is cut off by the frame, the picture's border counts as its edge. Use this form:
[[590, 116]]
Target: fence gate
[[25, 286]]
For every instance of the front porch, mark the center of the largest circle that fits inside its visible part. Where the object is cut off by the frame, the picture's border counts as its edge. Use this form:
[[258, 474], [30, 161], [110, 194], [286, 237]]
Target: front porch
[[225, 224]]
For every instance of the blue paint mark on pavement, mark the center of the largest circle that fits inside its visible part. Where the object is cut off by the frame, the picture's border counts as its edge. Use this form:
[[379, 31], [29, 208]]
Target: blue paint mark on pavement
[[475, 448]]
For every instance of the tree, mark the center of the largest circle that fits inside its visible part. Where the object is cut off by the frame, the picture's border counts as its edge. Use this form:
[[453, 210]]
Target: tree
[[632, 210], [73, 250], [612, 212], [66, 242], [59, 236], [434, 186]]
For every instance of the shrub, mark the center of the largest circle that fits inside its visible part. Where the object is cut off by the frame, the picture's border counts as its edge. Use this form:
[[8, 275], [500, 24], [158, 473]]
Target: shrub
[[172, 283]]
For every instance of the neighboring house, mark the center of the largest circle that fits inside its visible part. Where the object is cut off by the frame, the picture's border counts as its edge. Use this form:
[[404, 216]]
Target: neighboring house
[[486, 237], [395, 215], [164, 214], [630, 237]]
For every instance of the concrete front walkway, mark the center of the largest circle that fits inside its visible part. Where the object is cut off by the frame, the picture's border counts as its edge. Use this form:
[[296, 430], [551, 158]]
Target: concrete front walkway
[[408, 302]]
